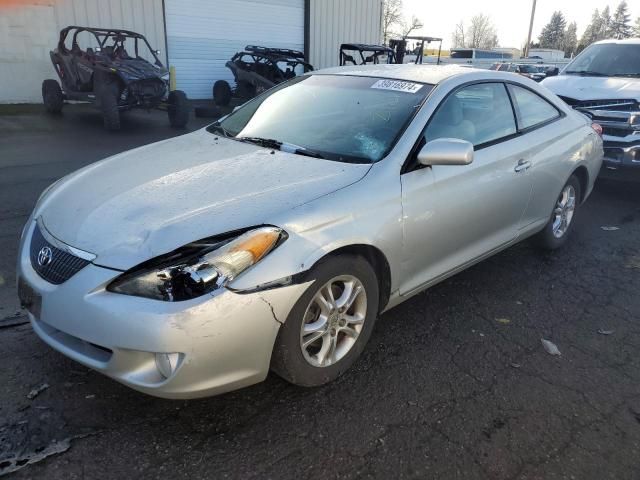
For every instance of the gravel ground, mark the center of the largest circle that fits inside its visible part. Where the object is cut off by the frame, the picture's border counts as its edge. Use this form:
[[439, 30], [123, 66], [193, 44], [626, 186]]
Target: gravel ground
[[454, 383]]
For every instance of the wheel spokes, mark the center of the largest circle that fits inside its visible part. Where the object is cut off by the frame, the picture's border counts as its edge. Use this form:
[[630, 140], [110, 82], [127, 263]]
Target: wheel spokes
[[333, 320]]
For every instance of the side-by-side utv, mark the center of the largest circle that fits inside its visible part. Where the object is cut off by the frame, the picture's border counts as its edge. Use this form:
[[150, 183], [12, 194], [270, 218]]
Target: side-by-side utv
[[257, 69], [116, 70]]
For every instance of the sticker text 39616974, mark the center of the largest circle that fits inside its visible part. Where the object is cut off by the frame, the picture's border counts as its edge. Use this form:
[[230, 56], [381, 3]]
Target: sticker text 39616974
[[397, 86]]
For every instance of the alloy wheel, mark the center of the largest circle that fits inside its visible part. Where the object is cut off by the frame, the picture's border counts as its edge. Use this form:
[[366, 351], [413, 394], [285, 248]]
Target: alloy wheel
[[333, 321], [563, 213]]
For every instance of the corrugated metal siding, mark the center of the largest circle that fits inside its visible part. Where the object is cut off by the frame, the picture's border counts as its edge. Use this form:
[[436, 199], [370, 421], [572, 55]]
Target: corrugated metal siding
[[333, 22], [203, 35], [29, 30]]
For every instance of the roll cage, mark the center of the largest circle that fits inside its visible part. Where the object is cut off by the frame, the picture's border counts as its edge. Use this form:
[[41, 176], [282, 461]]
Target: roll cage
[[266, 61], [367, 54], [102, 36]]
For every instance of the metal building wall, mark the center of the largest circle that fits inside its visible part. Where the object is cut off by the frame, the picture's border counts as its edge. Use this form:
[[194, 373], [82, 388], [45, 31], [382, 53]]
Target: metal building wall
[[30, 28], [204, 34], [332, 22]]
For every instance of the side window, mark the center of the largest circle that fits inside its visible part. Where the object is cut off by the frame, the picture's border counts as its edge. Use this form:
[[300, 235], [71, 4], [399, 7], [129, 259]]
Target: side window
[[531, 108], [478, 113]]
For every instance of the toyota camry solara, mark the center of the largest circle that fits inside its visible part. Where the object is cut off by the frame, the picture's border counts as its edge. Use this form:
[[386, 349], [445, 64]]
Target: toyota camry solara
[[273, 238]]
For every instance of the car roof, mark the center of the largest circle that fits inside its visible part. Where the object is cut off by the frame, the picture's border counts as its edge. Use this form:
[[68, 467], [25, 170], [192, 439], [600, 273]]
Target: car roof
[[432, 74], [628, 41]]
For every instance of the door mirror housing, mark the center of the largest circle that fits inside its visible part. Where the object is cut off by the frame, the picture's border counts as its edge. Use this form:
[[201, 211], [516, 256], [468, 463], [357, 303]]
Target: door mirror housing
[[446, 151]]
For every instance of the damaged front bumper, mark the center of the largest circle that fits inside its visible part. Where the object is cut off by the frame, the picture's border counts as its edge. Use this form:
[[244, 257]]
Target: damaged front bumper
[[196, 348]]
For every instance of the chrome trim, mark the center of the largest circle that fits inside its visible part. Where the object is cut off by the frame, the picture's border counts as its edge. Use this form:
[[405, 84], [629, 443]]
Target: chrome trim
[[63, 246]]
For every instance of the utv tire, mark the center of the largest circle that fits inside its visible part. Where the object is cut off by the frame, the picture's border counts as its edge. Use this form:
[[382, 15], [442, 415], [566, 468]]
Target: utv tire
[[108, 93], [222, 93], [299, 364], [560, 225], [178, 109], [52, 96]]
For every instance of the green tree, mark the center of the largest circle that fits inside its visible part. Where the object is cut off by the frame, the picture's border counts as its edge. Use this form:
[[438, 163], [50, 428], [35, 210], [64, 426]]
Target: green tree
[[592, 31], [570, 40], [552, 35], [605, 24], [620, 24]]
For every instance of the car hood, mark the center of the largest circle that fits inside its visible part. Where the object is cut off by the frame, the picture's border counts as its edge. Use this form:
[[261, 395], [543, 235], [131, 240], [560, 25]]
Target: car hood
[[593, 88], [145, 202]]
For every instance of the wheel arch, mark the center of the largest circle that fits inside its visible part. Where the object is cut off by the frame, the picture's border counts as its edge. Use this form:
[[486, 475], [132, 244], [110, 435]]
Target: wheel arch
[[583, 177], [378, 262]]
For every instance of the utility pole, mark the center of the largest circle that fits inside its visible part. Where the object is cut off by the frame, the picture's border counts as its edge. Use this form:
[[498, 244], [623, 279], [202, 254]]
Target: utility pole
[[533, 13]]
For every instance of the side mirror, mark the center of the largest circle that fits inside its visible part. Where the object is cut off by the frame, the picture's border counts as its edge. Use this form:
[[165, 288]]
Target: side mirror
[[446, 151]]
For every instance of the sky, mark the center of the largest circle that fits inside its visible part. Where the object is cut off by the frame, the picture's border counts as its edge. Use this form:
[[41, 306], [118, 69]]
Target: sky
[[511, 18]]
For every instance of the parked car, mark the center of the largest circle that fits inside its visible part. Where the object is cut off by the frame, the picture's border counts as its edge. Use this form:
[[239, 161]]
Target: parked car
[[603, 82], [274, 237], [110, 76], [257, 69], [534, 72]]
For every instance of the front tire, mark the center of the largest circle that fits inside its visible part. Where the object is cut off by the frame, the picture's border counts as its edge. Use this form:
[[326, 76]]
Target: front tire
[[330, 324], [52, 96], [556, 232], [222, 93], [108, 92], [178, 109]]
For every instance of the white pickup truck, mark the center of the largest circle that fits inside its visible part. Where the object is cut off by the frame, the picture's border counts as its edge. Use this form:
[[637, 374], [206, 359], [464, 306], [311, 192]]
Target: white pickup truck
[[603, 82]]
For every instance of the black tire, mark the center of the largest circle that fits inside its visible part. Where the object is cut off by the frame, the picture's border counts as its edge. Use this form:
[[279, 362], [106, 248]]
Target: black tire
[[288, 360], [52, 96], [178, 109], [108, 91], [222, 93], [205, 111], [546, 238]]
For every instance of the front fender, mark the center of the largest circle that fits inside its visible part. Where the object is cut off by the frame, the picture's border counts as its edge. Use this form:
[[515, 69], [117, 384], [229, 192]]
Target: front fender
[[368, 212]]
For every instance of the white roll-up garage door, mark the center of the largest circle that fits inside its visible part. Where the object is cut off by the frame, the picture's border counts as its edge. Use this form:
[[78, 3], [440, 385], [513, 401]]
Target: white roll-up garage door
[[202, 35]]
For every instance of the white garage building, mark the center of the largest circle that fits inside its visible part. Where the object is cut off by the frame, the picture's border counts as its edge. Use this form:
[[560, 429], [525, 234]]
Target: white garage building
[[196, 37]]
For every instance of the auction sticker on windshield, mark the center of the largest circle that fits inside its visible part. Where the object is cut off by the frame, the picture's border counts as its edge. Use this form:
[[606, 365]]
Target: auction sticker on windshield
[[397, 86]]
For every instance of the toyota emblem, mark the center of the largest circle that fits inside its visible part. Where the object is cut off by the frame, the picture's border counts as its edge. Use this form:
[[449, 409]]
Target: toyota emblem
[[45, 255]]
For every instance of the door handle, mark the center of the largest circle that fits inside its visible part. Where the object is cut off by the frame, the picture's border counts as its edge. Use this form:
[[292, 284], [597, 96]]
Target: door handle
[[522, 166]]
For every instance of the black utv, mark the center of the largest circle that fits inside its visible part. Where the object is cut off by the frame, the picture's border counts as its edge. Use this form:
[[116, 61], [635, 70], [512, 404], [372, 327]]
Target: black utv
[[257, 69], [114, 71]]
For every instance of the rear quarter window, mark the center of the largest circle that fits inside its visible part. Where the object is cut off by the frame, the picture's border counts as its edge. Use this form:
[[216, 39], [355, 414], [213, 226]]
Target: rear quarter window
[[531, 108]]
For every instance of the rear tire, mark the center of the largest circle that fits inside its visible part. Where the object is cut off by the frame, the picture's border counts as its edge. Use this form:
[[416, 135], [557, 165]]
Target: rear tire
[[108, 93], [52, 96], [178, 109], [557, 230], [222, 93], [346, 330]]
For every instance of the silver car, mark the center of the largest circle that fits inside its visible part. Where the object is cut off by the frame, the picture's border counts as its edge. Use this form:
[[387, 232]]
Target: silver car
[[273, 238]]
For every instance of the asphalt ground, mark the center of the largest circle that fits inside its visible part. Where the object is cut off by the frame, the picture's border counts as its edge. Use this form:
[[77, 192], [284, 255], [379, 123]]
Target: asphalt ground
[[455, 383]]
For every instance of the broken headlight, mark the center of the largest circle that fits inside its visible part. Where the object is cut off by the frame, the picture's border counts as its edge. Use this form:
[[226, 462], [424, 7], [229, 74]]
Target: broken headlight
[[198, 268]]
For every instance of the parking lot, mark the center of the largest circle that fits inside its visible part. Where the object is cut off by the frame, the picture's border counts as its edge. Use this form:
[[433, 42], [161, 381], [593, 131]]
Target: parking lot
[[454, 383]]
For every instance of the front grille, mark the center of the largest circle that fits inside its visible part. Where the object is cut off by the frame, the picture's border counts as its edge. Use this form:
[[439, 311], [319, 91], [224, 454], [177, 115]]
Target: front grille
[[616, 132], [151, 87], [618, 105], [60, 267]]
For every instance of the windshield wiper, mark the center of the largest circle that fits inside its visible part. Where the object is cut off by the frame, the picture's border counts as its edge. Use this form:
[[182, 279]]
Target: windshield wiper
[[586, 73], [308, 153], [263, 142], [283, 146]]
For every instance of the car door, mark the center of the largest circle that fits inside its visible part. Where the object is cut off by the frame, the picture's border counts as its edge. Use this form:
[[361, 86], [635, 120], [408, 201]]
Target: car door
[[453, 215]]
